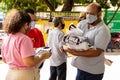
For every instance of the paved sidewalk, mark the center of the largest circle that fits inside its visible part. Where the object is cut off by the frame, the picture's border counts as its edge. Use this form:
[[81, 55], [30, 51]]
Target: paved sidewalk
[[111, 72]]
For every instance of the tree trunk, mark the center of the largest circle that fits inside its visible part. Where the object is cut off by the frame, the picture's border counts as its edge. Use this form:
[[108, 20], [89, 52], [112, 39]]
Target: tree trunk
[[49, 5], [68, 4]]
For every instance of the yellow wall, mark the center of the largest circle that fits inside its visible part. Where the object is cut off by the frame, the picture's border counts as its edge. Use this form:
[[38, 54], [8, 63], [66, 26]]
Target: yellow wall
[[41, 25]]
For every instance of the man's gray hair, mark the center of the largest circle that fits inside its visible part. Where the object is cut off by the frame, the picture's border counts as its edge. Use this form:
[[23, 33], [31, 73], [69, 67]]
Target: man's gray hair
[[97, 5], [57, 20]]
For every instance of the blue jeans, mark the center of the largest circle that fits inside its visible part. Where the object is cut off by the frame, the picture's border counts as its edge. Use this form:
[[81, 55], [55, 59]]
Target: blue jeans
[[59, 71], [82, 75]]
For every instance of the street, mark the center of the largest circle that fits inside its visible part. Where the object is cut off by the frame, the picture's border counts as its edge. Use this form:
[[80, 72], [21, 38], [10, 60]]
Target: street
[[111, 72]]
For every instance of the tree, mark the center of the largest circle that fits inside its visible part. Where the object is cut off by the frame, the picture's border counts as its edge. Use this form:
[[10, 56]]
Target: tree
[[23, 4], [68, 4], [114, 3], [51, 5]]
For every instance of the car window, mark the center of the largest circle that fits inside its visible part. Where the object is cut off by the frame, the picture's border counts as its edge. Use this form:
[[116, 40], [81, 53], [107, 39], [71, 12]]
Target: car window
[[114, 35]]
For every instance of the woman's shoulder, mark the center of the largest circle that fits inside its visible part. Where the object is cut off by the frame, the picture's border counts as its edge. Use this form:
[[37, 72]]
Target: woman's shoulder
[[21, 36]]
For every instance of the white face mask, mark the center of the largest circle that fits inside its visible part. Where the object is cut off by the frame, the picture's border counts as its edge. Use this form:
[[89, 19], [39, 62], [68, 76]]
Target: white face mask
[[91, 18], [32, 24]]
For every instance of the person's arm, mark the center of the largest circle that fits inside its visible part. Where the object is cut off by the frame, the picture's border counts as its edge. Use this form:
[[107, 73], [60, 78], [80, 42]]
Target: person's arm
[[2, 49], [28, 54], [3, 59], [100, 42], [61, 43], [88, 53], [34, 60]]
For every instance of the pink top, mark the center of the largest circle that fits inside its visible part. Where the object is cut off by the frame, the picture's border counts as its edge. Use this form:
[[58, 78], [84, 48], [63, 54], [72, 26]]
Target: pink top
[[15, 48]]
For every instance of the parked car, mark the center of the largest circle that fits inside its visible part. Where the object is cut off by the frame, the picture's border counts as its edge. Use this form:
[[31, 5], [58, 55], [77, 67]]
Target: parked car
[[115, 37]]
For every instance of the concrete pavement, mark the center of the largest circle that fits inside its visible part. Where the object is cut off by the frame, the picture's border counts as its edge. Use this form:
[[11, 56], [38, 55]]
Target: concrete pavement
[[111, 72]]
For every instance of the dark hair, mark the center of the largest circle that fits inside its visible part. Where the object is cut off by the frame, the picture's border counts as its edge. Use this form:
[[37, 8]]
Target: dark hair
[[57, 20], [50, 20], [15, 20], [99, 8], [29, 11]]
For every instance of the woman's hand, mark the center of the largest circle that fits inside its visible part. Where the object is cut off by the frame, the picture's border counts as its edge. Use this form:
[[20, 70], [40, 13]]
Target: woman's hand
[[45, 55]]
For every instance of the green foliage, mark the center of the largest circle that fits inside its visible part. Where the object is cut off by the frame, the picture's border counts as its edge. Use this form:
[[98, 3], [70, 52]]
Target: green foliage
[[41, 8], [83, 1], [55, 3], [114, 2], [104, 3], [23, 4], [40, 5]]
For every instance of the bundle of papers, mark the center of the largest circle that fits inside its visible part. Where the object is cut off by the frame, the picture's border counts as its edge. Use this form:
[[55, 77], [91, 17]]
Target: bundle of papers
[[74, 39], [42, 50]]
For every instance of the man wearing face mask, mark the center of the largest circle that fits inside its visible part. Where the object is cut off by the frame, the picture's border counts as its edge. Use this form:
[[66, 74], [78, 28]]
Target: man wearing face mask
[[58, 57], [34, 33], [90, 63]]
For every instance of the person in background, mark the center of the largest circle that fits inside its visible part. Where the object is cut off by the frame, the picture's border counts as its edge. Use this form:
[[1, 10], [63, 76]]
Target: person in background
[[35, 34], [82, 16], [17, 49], [90, 63], [49, 26], [110, 45], [58, 58]]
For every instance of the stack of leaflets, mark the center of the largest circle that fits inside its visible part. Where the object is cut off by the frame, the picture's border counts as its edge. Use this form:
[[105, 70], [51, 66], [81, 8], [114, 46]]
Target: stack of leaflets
[[74, 39], [42, 50]]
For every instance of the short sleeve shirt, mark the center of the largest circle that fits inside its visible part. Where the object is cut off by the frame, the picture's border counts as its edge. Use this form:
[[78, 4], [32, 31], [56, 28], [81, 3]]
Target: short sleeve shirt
[[15, 48], [98, 37], [36, 37], [53, 41]]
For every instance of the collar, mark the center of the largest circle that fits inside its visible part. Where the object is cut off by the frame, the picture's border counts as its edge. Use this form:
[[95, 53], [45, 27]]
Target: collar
[[97, 25]]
